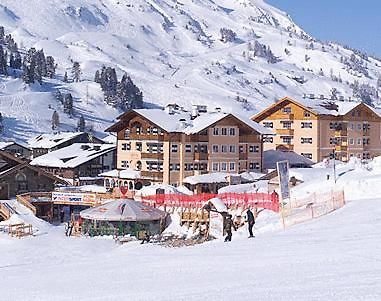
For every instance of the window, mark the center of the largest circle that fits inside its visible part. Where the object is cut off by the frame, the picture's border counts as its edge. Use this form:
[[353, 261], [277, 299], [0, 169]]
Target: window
[[286, 124], [306, 114], [232, 148], [332, 141], [351, 126], [224, 166], [125, 164], [332, 125], [351, 141], [306, 125], [224, 148], [215, 148], [138, 146], [287, 139], [307, 155], [174, 167], [241, 149], [267, 139], [286, 110], [188, 166], [188, 148], [232, 131], [359, 141], [253, 149], [253, 166], [268, 124], [232, 166], [215, 166], [359, 126], [224, 131], [216, 131], [126, 146], [127, 134], [306, 140], [174, 148]]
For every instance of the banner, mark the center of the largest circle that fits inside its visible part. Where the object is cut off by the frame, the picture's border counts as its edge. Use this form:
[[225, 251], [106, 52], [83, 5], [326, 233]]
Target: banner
[[73, 197], [282, 168]]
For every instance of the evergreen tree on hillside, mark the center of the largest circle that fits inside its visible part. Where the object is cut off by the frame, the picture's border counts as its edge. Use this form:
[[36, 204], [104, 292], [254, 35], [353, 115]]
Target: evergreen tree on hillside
[[3, 61], [76, 72], [55, 120], [97, 77], [65, 80], [17, 62], [50, 67], [109, 83], [129, 95], [81, 124], [58, 95], [68, 104], [1, 124], [29, 66], [40, 69], [2, 34]]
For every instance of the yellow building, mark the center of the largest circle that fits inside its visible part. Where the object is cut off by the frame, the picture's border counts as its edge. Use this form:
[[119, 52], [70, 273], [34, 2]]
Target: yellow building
[[315, 128], [168, 145]]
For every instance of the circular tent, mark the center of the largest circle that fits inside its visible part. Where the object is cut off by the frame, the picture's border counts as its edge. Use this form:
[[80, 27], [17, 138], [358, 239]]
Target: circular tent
[[122, 217]]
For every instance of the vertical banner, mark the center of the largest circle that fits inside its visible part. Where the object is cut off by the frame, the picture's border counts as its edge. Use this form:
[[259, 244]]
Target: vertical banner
[[216, 224], [283, 175]]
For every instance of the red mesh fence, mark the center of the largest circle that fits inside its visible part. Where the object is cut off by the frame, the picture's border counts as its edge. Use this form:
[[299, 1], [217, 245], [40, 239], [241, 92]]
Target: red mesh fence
[[262, 200]]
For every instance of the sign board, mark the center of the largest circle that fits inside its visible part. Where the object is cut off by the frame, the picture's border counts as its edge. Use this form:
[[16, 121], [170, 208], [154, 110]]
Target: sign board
[[283, 175], [216, 224], [73, 197]]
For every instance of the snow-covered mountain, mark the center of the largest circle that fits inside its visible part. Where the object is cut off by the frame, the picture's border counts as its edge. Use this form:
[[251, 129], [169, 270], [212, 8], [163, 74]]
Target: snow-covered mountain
[[174, 52]]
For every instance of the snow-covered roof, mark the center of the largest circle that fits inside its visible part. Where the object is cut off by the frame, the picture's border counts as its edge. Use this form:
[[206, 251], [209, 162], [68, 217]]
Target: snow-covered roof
[[123, 210], [73, 155], [338, 108], [5, 144], [216, 177], [271, 157], [51, 140], [180, 122], [122, 174], [218, 204]]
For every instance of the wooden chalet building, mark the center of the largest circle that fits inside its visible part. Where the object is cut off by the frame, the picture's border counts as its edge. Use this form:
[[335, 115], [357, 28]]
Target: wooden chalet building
[[44, 143], [168, 145], [79, 163], [17, 149], [17, 176], [317, 129]]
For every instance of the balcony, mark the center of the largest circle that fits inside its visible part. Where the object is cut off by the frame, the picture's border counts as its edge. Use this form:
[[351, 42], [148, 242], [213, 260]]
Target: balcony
[[154, 137], [341, 148], [287, 132], [157, 156], [200, 156], [152, 174], [341, 133], [243, 156]]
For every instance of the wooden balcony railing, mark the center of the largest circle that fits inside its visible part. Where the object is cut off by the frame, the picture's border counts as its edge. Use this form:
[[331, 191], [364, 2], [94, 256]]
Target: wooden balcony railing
[[157, 156], [152, 174], [200, 156], [288, 132]]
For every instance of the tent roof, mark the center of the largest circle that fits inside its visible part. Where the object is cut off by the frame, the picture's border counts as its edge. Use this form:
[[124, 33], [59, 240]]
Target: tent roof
[[123, 210]]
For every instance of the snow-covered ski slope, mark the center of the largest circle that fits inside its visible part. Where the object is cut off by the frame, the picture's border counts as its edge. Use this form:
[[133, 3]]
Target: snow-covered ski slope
[[173, 52]]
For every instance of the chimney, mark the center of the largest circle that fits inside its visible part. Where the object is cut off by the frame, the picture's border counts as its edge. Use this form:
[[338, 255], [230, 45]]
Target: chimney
[[194, 112], [169, 109], [218, 109], [183, 122]]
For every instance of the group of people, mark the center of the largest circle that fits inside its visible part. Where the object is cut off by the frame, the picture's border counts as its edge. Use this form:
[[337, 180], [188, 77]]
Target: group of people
[[229, 225]]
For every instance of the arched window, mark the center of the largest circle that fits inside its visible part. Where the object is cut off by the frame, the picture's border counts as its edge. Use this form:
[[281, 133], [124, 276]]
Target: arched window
[[130, 185], [125, 184], [136, 127], [21, 182]]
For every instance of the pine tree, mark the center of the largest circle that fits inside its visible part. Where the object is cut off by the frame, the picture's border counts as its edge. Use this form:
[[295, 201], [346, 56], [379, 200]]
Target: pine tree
[[17, 63], [97, 77], [1, 124], [76, 72], [58, 95], [40, 69], [68, 104], [2, 34], [81, 124], [110, 82], [3, 61], [50, 67], [29, 66], [65, 77], [55, 120]]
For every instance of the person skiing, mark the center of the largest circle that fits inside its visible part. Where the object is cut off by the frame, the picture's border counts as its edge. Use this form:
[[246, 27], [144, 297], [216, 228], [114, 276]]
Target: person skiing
[[250, 221], [228, 227]]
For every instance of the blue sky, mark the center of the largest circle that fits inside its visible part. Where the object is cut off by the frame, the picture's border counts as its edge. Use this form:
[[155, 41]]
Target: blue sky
[[352, 22]]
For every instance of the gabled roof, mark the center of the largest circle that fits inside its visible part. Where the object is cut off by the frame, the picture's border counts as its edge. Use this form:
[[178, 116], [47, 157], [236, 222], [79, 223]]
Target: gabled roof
[[5, 144], [181, 122], [52, 140], [11, 157], [73, 155], [35, 168], [316, 107]]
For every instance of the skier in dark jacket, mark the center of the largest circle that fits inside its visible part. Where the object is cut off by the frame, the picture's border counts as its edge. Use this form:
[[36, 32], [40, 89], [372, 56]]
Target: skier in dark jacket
[[250, 222], [228, 227]]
